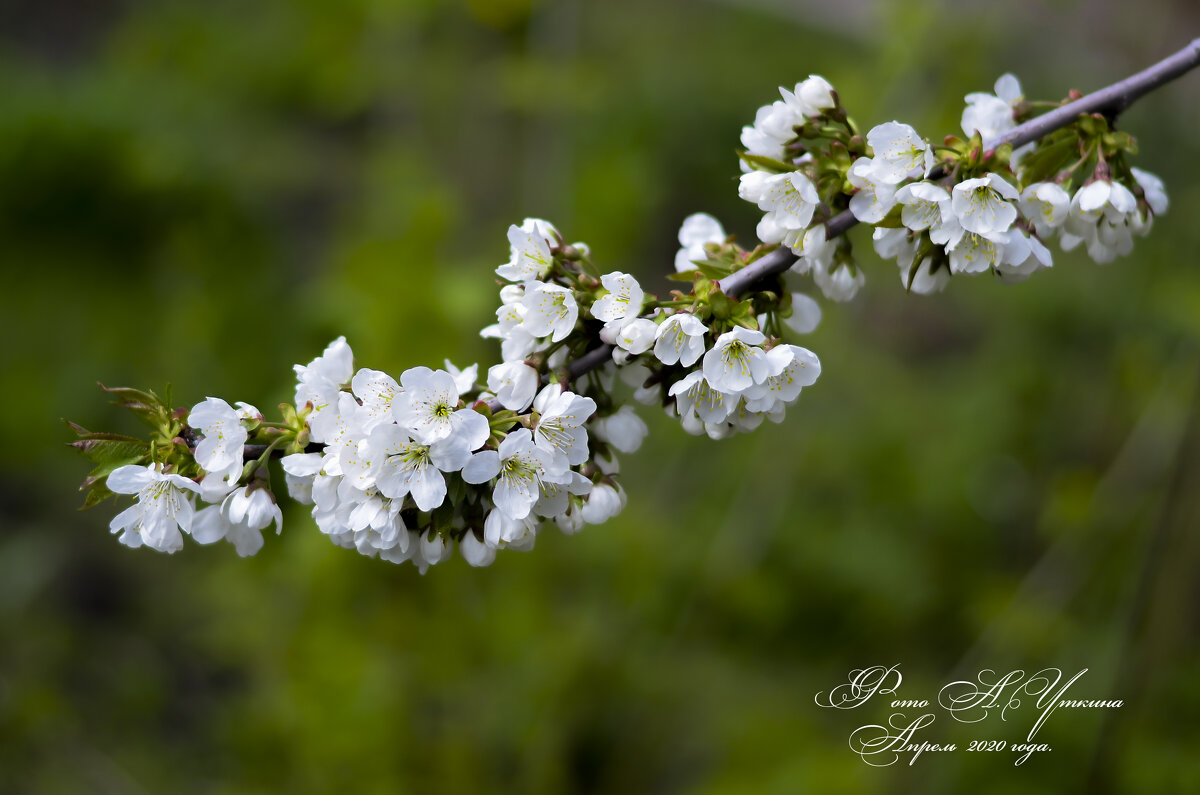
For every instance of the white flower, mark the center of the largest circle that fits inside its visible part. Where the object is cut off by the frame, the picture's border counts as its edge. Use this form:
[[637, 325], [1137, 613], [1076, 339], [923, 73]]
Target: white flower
[[680, 339], [810, 97], [475, 552], [806, 314], [556, 497], [407, 548], [377, 391], [370, 512], [899, 245], [560, 427], [752, 186], [300, 469], [1080, 222], [345, 421], [874, 198], [550, 310], [515, 340], [623, 301], [320, 381], [744, 420], [378, 526], [791, 369], [432, 550], [980, 204], [924, 280], [814, 249], [161, 510], [514, 384], [720, 430], [520, 467], [735, 361], [1099, 198], [501, 531], [1045, 204], [841, 283], [900, 153], [695, 397], [464, 379], [697, 230], [1153, 189], [633, 337], [219, 453], [429, 409], [1112, 238], [223, 432], [789, 199], [992, 115], [893, 243], [402, 465], [254, 508], [974, 253], [603, 503], [1022, 261], [773, 127], [770, 231], [530, 251], [335, 365], [570, 522], [424, 550], [354, 463], [624, 429], [926, 205], [240, 520], [1104, 216], [1120, 202]]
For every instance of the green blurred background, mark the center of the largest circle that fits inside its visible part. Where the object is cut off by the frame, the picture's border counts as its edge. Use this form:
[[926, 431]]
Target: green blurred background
[[204, 193]]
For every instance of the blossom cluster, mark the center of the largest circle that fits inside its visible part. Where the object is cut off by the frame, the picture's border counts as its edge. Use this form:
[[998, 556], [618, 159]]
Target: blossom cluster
[[405, 469], [969, 207], [409, 466], [235, 506], [714, 369]]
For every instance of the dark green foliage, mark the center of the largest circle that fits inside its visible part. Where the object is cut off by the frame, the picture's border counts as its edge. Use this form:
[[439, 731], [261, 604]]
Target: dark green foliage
[[209, 192]]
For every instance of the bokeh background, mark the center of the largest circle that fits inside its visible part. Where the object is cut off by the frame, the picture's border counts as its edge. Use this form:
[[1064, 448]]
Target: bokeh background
[[206, 192]]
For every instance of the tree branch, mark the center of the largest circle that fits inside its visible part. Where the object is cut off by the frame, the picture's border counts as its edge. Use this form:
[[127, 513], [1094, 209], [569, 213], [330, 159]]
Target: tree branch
[[1110, 101]]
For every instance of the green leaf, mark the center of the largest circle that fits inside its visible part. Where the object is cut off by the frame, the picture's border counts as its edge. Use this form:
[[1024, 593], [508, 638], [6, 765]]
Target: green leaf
[[105, 451], [1048, 159], [769, 163], [723, 306], [713, 269], [96, 495], [456, 489], [146, 405], [94, 484]]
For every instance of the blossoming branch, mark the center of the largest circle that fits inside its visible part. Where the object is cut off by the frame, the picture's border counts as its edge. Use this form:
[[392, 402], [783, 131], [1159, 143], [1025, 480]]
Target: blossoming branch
[[408, 468]]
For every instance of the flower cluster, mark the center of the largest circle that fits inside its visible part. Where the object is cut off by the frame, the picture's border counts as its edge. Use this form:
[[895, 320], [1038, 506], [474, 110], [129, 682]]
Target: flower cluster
[[405, 469], [703, 356], [410, 466], [236, 499], [968, 207]]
